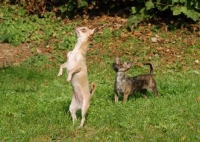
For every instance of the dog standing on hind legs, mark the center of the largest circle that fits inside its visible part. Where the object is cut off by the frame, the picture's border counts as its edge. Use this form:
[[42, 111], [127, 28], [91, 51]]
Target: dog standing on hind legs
[[77, 74], [130, 85]]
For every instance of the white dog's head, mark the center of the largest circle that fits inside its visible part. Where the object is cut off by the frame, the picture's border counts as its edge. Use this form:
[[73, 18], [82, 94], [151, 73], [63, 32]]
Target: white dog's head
[[84, 32]]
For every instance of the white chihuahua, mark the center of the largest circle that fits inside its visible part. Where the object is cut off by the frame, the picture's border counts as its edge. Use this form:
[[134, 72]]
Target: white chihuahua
[[77, 74]]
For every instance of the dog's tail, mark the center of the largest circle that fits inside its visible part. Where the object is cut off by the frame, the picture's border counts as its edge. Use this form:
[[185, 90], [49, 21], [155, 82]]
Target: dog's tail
[[93, 88], [151, 67]]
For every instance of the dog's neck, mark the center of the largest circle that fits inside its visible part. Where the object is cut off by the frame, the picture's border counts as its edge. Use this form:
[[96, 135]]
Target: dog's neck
[[121, 75], [81, 45]]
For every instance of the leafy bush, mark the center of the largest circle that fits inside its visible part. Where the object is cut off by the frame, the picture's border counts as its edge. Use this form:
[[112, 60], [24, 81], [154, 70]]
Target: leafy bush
[[146, 9], [21, 28], [138, 10]]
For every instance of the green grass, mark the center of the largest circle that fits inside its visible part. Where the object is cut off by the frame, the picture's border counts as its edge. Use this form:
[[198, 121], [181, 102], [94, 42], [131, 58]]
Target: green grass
[[34, 102], [34, 107]]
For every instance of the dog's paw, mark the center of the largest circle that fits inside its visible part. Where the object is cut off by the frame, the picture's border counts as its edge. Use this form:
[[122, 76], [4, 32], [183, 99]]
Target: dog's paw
[[59, 74], [79, 127], [68, 80]]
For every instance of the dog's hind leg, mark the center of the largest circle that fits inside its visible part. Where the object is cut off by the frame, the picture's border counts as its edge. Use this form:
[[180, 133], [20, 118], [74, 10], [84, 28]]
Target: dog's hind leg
[[116, 98], [84, 112], [74, 106], [155, 91]]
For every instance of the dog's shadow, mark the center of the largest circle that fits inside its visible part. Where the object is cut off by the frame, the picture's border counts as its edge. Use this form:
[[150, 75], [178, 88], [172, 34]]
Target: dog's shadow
[[66, 107], [140, 95], [67, 112], [135, 96]]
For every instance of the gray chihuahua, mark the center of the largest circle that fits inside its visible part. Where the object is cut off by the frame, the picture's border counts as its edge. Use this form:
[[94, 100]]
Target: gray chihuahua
[[130, 85]]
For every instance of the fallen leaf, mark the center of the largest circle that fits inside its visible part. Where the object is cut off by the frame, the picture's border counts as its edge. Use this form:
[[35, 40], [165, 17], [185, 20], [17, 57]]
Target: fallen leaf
[[154, 39], [136, 33], [196, 61], [183, 138], [38, 50], [198, 98]]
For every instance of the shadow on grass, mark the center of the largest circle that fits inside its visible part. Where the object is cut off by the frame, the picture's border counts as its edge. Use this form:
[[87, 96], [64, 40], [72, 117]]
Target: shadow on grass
[[67, 112], [137, 96]]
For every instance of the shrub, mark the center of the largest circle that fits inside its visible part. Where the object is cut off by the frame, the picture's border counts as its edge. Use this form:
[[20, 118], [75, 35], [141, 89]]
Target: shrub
[[139, 10]]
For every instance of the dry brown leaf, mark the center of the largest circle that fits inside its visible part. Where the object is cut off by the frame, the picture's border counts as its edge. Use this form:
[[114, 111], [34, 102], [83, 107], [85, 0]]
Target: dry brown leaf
[[183, 138], [198, 98]]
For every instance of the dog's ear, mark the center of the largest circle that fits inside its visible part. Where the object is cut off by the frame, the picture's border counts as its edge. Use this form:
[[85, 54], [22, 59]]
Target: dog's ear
[[92, 31], [117, 61], [129, 64]]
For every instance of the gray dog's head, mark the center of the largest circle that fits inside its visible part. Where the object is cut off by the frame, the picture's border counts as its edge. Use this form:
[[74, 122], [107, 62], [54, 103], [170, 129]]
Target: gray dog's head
[[120, 66]]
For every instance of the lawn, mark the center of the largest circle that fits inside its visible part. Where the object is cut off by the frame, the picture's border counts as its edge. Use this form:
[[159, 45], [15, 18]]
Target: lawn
[[34, 107]]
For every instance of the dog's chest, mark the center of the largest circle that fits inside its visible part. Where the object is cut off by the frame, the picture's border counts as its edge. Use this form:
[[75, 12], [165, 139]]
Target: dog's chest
[[73, 59], [121, 84]]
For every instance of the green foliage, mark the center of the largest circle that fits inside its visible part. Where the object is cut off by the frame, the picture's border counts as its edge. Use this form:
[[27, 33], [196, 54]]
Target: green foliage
[[36, 61], [149, 5], [140, 9], [105, 36], [82, 4], [22, 29], [146, 10], [106, 33], [189, 13], [116, 33], [12, 28]]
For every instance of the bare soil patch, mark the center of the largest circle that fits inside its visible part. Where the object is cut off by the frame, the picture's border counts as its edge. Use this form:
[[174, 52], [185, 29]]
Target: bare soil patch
[[10, 55], [166, 47]]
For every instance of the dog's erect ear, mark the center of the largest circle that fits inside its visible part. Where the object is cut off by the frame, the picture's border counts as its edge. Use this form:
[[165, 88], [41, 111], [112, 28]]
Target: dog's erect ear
[[117, 60], [92, 31], [129, 64]]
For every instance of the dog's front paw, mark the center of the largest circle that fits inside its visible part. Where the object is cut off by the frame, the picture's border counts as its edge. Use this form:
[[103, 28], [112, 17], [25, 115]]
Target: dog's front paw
[[68, 79]]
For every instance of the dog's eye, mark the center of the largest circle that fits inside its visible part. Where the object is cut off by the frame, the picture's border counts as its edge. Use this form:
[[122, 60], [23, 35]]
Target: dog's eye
[[83, 30]]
